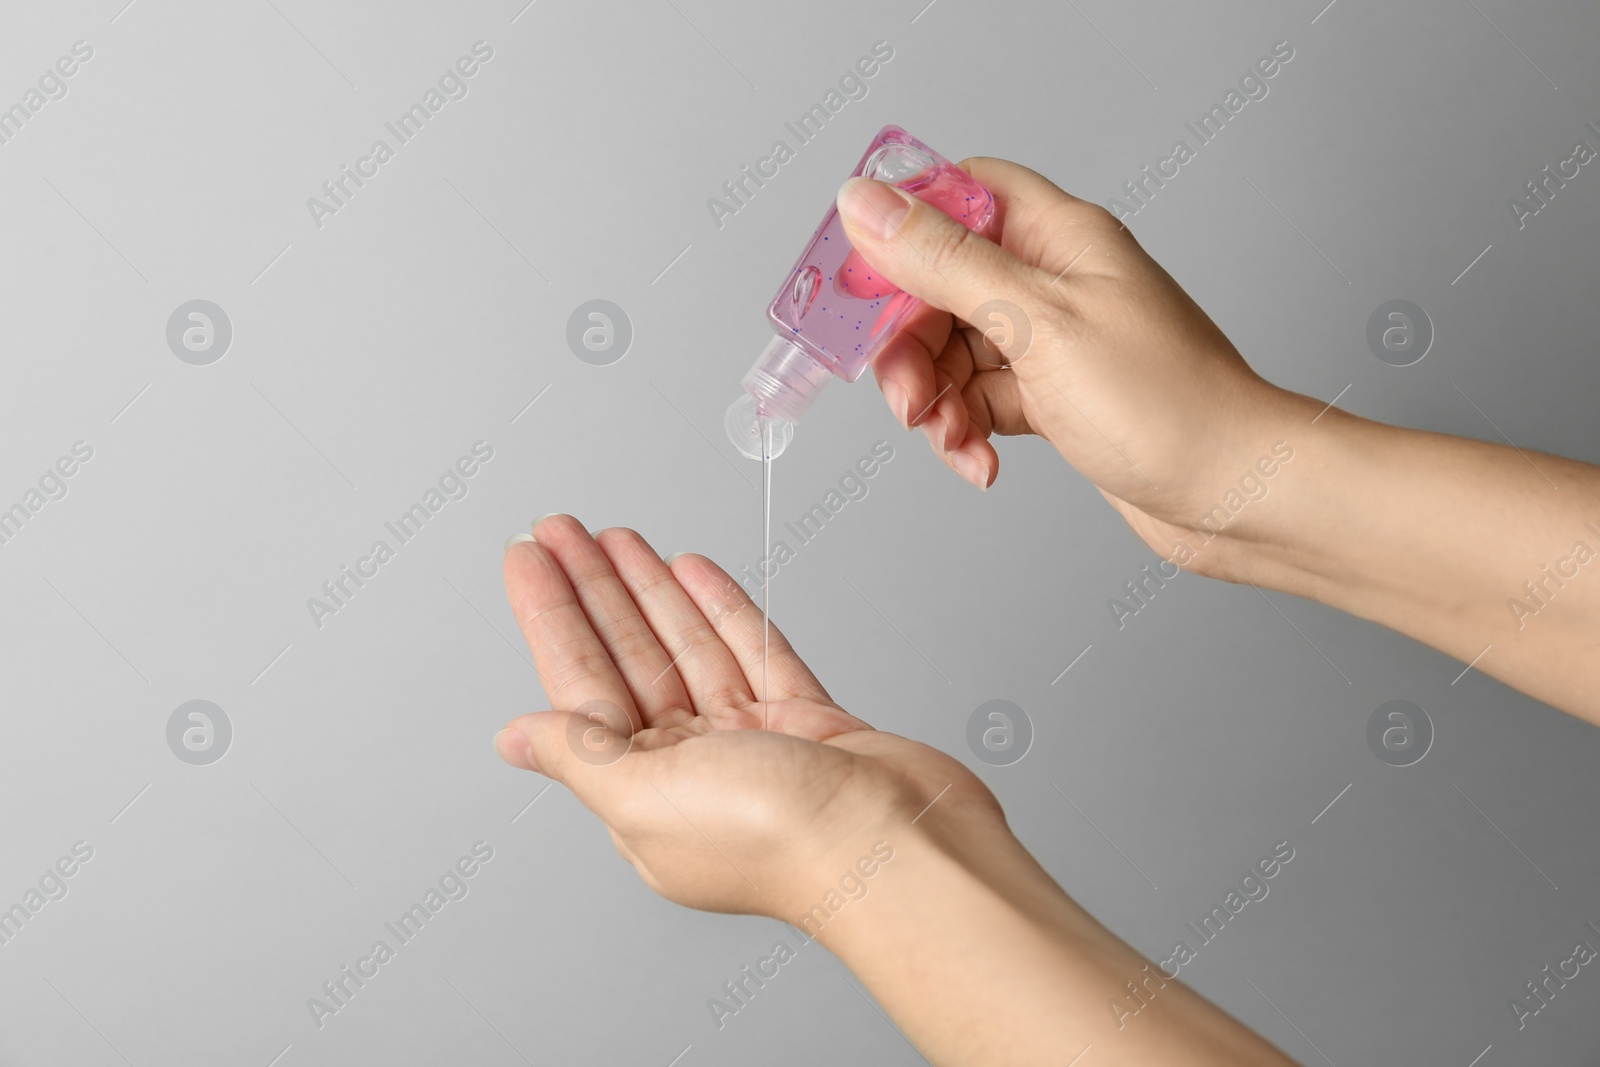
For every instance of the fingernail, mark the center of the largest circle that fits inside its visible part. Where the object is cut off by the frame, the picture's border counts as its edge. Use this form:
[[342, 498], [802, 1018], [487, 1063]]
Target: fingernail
[[541, 518], [511, 745], [937, 430], [873, 208], [899, 401], [517, 539], [971, 468], [668, 559]]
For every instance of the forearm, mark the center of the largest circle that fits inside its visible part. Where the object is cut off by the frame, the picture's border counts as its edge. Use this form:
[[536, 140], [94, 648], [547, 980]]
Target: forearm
[[1485, 552], [982, 961]]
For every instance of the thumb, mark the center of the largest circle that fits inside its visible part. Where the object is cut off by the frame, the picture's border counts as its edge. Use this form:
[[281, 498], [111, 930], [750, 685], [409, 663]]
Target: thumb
[[926, 252], [587, 750]]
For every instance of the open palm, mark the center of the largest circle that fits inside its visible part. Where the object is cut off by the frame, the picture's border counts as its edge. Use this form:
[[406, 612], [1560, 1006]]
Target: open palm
[[655, 671]]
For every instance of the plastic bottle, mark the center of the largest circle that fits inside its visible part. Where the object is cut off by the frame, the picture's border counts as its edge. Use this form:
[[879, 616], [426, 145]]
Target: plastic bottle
[[834, 313]]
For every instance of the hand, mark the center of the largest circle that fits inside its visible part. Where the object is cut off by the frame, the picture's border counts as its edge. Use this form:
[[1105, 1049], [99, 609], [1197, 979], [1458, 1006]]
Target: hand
[[1099, 351], [723, 801], [965, 940], [1061, 326]]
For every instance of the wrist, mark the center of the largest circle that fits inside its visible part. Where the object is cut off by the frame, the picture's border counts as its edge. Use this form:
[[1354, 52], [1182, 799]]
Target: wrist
[[973, 949], [952, 865], [981, 959], [1292, 532], [1254, 491]]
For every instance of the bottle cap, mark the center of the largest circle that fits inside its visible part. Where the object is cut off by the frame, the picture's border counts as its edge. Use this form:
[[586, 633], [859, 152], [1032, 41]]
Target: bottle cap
[[747, 427]]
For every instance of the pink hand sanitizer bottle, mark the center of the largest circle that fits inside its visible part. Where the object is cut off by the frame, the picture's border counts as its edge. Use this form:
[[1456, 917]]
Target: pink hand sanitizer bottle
[[834, 313]]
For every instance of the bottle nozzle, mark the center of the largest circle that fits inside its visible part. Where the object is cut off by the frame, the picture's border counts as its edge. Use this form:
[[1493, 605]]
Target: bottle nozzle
[[785, 380], [777, 391]]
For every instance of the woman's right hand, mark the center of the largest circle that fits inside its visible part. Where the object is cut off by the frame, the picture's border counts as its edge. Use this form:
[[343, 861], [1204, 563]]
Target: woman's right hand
[[1062, 326]]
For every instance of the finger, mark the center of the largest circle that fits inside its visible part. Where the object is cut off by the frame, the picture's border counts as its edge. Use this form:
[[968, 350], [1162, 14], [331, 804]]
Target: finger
[[1039, 222], [573, 664], [560, 745], [924, 369], [645, 666], [947, 427], [929, 254], [944, 423], [973, 458], [976, 461], [708, 670], [810, 721], [737, 621], [904, 368], [983, 348], [993, 403], [993, 399]]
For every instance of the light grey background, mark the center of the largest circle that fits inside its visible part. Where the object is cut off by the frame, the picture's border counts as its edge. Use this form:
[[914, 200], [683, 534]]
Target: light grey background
[[370, 353]]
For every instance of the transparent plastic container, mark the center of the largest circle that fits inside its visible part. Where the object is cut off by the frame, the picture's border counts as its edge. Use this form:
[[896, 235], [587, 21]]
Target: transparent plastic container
[[834, 313]]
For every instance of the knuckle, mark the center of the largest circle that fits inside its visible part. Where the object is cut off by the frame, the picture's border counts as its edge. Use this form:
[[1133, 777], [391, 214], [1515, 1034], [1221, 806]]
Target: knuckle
[[1099, 214], [626, 637], [537, 617], [1056, 324], [698, 640], [588, 569], [722, 605], [577, 665], [939, 241], [653, 582]]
